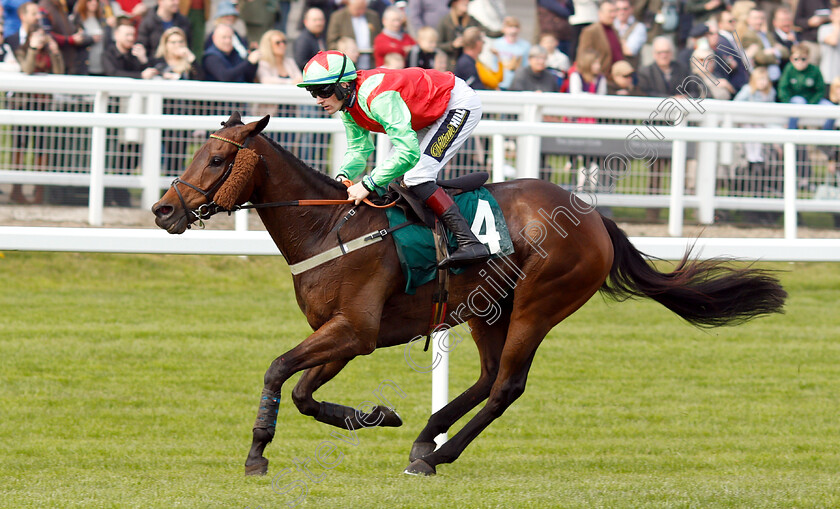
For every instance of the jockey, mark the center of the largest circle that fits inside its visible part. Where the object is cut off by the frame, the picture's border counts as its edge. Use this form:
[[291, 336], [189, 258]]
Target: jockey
[[427, 115]]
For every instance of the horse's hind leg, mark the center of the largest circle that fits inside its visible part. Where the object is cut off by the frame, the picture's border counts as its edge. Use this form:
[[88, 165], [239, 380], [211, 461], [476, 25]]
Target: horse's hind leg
[[331, 413], [489, 339], [509, 385]]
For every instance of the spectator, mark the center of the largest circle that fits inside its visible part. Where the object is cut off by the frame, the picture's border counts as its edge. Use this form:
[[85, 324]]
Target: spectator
[[834, 150], [356, 21], [512, 50], [451, 29], [490, 13], [348, 46], [29, 15], [39, 54], [11, 17], [173, 58], [441, 62], [275, 65], [730, 52], [585, 12], [704, 10], [631, 32], [311, 39], [56, 20], [423, 53], [828, 36], [553, 18], [425, 13], [284, 7], [131, 9], [783, 28], [228, 14], [259, 16], [392, 39], [8, 61], [699, 37], [89, 17], [393, 61], [125, 56], [759, 89], [758, 45], [174, 61], [802, 83], [809, 16], [715, 88], [535, 77], [328, 7], [222, 62], [621, 82], [157, 21], [472, 42], [587, 76], [664, 75], [557, 63], [602, 38], [197, 13]]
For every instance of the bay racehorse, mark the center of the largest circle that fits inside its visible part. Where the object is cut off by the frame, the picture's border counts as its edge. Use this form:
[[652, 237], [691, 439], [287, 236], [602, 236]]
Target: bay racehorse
[[565, 252]]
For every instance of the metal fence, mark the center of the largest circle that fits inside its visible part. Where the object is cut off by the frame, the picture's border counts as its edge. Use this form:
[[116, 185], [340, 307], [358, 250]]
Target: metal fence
[[117, 141]]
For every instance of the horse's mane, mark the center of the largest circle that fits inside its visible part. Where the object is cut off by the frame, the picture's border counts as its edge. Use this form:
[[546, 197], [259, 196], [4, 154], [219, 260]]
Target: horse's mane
[[323, 177]]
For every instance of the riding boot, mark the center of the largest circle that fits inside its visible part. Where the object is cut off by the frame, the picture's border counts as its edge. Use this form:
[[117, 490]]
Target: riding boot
[[469, 247]]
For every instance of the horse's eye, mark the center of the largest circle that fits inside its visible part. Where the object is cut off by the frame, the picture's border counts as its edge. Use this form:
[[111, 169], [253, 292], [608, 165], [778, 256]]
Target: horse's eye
[[216, 161]]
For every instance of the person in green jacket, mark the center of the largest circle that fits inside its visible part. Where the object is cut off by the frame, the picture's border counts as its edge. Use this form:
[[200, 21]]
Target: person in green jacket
[[802, 83]]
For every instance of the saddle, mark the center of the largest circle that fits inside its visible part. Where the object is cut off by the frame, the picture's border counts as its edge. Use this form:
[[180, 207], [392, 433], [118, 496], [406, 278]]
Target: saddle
[[414, 209]]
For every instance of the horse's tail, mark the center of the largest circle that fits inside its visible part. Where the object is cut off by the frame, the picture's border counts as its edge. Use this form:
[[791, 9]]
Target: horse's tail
[[706, 293]]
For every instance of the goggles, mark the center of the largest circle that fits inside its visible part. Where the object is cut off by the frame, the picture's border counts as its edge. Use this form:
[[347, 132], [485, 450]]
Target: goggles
[[322, 91]]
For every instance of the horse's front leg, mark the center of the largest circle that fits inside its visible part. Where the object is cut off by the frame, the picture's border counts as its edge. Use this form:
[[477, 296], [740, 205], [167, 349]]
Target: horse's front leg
[[336, 340], [341, 416]]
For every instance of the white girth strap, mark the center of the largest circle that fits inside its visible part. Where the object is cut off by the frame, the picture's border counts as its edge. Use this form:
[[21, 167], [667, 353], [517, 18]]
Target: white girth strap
[[332, 254]]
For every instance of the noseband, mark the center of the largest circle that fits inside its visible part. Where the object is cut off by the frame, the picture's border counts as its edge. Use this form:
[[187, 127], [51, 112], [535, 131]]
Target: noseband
[[207, 210]]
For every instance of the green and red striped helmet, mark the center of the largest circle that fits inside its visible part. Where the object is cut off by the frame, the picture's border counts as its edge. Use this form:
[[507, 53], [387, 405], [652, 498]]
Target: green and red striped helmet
[[328, 68]]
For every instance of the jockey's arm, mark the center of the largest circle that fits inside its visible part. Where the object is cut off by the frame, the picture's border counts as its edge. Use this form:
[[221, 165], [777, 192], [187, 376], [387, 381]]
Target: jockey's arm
[[391, 112], [359, 148]]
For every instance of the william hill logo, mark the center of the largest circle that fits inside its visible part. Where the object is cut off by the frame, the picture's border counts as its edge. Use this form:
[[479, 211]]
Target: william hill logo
[[447, 133]]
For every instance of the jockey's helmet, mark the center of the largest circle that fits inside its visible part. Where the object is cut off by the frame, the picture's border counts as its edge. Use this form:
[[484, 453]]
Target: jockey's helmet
[[327, 68]]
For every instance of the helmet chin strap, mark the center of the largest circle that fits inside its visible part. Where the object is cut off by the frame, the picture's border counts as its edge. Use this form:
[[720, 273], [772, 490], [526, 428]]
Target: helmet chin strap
[[340, 92]]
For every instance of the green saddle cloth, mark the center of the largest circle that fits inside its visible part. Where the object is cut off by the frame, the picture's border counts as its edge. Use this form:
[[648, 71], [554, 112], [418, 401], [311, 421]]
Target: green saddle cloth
[[415, 243]]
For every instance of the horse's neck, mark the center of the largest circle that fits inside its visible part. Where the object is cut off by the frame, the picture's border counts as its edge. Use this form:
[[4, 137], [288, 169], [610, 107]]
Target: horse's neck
[[299, 231]]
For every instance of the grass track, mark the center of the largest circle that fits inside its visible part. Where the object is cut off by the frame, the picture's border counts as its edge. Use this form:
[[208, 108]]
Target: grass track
[[133, 381]]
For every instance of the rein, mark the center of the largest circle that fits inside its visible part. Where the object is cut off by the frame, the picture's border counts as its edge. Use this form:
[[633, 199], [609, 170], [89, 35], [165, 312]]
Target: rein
[[207, 210]]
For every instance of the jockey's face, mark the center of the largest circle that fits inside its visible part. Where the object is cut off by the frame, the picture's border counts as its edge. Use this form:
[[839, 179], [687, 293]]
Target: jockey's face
[[331, 104]]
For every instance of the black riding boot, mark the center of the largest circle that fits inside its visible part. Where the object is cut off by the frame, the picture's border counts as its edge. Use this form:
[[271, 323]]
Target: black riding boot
[[469, 247]]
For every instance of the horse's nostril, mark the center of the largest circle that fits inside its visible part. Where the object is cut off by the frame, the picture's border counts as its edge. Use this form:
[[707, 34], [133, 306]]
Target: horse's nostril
[[163, 210]]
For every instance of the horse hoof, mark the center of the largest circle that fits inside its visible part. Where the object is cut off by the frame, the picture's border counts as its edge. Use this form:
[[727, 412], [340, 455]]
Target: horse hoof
[[260, 467], [391, 420], [420, 467], [420, 449]]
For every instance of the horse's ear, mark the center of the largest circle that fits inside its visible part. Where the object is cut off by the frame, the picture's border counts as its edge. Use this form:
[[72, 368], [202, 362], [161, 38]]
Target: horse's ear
[[235, 119], [259, 126]]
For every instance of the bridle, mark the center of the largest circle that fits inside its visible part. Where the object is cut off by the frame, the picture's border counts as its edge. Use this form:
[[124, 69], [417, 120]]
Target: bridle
[[207, 210], [211, 208]]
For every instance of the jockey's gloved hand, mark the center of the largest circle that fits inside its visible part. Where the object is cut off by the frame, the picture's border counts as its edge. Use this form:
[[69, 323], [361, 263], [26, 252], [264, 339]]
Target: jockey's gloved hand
[[341, 177]]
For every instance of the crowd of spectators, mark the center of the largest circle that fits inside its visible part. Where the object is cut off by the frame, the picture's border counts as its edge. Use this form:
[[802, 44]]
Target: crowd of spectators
[[575, 48], [776, 50]]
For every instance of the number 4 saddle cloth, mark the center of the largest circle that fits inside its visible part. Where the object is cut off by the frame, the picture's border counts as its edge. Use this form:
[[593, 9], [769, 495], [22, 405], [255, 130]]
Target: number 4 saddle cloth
[[415, 243]]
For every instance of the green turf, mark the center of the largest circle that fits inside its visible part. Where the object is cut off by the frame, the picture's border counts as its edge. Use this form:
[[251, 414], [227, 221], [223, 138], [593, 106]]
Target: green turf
[[133, 381]]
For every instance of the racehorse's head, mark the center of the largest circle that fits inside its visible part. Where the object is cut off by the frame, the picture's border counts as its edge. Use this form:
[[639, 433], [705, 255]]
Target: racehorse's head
[[219, 177]]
